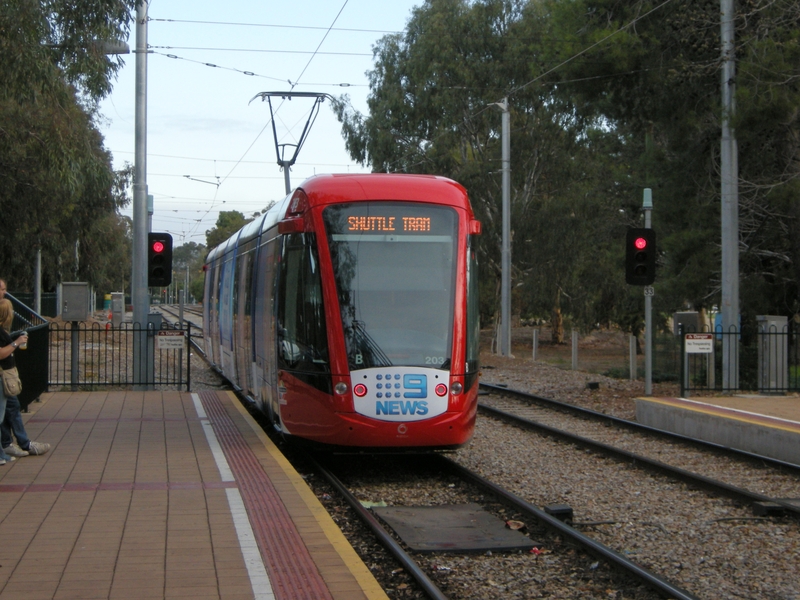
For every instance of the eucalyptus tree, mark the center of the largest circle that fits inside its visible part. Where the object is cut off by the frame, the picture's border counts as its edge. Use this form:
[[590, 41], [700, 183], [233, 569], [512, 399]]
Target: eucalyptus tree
[[228, 223], [56, 180], [652, 71], [433, 108]]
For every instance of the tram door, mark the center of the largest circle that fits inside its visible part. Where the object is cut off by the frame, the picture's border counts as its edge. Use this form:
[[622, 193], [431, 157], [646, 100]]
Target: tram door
[[264, 325], [242, 321], [226, 316]]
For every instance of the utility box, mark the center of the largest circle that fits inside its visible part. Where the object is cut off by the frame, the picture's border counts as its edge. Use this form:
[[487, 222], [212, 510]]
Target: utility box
[[154, 320], [117, 308], [689, 320], [74, 301], [773, 353]]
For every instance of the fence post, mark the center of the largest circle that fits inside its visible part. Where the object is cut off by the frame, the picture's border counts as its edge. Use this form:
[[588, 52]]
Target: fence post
[[74, 355], [632, 357], [535, 342], [574, 350], [684, 363], [711, 365], [188, 356]]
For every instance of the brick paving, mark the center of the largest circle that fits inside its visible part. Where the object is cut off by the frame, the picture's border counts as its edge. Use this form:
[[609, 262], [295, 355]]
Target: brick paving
[[130, 503]]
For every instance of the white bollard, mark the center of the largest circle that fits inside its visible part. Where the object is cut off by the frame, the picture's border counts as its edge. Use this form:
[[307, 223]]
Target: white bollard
[[632, 354], [574, 350]]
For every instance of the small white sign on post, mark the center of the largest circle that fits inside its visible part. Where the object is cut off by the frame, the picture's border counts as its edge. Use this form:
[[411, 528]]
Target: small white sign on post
[[168, 339], [699, 343]]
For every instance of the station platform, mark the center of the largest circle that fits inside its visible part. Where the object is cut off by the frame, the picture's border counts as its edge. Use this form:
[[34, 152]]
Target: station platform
[[761, 424], [164, 495]]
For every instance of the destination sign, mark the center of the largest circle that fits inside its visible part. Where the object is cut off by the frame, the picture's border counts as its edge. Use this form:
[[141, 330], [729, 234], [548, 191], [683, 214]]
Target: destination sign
[[398, 219], [388, 223]]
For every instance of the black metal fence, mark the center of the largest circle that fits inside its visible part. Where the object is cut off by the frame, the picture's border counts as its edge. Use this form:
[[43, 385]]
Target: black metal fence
[[762, 359], [87, 356]]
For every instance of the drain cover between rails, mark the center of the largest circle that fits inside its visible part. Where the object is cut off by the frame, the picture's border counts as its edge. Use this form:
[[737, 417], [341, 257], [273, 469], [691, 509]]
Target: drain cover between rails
[[451, 528]]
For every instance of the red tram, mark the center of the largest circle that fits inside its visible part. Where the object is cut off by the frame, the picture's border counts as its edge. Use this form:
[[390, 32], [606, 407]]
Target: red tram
[[348, 312]]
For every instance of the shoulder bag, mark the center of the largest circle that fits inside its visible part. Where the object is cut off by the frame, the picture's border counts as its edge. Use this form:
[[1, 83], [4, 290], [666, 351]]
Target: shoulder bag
[[12, 385]]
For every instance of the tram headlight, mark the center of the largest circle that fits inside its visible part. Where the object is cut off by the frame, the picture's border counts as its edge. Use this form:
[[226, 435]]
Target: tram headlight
[[340, 388], [456, 388], [441, 390], [360, 390]]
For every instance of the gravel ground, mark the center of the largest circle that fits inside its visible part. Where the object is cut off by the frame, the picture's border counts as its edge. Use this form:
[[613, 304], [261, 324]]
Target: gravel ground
[[613, 396]]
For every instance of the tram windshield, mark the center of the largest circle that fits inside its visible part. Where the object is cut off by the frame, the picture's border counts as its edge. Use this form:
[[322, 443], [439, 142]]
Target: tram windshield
[[395, 270]]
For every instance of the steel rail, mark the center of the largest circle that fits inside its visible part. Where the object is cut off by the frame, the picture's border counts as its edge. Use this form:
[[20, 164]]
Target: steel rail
[[652, 581], [383, 536]]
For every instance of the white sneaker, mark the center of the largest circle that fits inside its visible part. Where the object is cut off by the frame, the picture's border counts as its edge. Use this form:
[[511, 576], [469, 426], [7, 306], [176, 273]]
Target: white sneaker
[[14, 450], [38, 448]]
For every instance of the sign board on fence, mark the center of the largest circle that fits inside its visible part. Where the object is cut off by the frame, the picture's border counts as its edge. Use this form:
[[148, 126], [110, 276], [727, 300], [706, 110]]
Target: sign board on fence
[[168, 339], [699, 343]]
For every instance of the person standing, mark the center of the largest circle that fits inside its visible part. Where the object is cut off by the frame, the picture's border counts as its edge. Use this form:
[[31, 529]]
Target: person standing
[[10, 406]]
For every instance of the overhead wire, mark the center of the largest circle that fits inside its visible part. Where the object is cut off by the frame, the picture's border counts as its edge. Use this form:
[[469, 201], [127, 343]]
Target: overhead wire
[[228, 23], [260, 133]]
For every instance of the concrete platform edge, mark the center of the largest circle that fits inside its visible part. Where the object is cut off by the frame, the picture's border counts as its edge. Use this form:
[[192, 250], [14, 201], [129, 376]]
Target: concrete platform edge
[[358, 569], [750, 432]]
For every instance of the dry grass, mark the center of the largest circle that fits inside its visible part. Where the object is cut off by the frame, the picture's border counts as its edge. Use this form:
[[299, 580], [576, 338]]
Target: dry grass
[[602, 351]]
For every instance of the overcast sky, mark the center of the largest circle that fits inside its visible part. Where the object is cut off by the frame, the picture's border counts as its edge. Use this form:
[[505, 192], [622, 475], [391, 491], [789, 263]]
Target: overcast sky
[[210, 149]]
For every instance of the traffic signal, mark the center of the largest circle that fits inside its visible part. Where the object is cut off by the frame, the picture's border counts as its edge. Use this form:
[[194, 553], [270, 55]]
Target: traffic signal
[[159, 259], [640, 256]]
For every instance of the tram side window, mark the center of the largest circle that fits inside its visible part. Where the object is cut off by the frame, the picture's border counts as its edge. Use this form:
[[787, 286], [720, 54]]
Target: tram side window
[[302, 336]]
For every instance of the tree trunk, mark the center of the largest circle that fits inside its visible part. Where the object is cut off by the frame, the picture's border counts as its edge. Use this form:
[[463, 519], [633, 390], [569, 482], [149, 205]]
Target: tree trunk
[[557, 327]]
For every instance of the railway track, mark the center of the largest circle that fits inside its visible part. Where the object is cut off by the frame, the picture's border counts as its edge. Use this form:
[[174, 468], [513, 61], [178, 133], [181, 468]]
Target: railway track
[[682, 531], [770, 485], [596, 569]]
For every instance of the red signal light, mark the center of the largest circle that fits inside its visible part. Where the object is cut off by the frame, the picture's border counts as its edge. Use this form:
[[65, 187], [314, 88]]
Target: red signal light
[[159, 259], [640, 256]]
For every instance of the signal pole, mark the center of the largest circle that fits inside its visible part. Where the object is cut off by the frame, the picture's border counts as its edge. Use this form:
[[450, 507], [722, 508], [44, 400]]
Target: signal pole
[[647, 206]]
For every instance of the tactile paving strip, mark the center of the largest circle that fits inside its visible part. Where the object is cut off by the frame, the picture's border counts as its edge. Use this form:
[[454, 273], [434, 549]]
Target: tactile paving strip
[[291, 569]]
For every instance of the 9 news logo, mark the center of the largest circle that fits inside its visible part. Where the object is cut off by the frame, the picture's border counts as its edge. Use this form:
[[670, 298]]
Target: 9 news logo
[[399, 394]]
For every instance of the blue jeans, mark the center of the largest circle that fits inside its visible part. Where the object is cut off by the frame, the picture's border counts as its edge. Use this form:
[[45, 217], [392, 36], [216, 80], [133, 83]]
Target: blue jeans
[[12, 423]]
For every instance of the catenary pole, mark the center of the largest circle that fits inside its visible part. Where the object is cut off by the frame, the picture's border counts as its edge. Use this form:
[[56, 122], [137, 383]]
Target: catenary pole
[[139, 297], [729, 172], [505, 281]]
